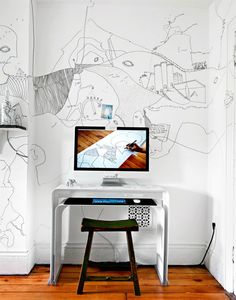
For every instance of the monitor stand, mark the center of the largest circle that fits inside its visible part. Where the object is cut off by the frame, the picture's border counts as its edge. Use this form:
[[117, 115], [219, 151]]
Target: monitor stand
[[112, 181]]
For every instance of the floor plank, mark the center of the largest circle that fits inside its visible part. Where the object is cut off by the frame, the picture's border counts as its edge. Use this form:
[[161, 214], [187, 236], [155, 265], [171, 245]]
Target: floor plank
[[62, 296], [184, 283], [180, 296]]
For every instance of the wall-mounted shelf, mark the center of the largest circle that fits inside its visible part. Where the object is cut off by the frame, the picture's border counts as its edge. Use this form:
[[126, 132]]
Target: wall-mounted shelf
[[12, 127], [4, 131]]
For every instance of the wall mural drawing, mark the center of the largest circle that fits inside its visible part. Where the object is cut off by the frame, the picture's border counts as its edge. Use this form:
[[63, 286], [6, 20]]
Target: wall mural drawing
[[13, 88], [13, 156], [11, 220], [103, 68]]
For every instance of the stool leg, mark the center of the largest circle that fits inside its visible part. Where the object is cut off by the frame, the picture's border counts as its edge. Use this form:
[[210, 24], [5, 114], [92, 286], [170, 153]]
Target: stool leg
[[133, 263], [85, 264]]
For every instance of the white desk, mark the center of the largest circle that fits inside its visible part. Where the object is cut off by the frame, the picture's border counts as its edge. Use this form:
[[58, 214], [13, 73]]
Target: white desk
[[134, 190]]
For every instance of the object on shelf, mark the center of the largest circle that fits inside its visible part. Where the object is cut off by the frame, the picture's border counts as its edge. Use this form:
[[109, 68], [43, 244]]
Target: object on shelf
[[11, 115]]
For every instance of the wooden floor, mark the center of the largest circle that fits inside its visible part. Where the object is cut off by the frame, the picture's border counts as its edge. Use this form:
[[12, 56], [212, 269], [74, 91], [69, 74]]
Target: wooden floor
[[87, 138], [184, 283]]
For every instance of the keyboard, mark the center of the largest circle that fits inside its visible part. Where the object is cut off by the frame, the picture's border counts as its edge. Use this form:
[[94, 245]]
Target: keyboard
[[110, 201]]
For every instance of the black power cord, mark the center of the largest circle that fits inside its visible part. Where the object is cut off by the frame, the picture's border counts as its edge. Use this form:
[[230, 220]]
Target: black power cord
[[212, 236]]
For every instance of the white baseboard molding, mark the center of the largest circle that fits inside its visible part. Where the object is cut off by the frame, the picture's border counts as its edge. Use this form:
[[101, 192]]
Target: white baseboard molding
[[186, 254], [179, 254], [16, 262]]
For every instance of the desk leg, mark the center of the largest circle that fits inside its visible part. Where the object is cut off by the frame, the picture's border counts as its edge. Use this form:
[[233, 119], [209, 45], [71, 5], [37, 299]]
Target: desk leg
[[166, 236], [52, 254], [55, 256], [162, 258], [57, 242]]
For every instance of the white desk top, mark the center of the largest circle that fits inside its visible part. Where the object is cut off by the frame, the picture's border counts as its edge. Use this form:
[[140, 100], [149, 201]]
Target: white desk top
[[130, 185]]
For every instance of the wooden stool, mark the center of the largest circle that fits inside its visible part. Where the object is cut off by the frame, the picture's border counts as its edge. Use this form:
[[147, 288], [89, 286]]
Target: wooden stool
[[91, 226]]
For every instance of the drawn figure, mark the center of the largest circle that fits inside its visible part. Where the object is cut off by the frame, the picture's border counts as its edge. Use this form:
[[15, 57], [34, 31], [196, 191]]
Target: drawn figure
[[4, 174], [10, 219], [8, 49], [13, 106], [13, 88], [37, 157]]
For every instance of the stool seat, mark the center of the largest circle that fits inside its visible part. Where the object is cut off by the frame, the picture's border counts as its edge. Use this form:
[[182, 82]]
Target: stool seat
[[115, 225]]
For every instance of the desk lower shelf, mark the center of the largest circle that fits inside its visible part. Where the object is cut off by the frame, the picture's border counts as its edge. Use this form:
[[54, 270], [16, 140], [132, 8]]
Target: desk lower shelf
[[110, 201]]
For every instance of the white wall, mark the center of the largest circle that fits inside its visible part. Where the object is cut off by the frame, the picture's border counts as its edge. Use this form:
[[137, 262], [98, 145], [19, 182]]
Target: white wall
[[16, 255], [116, 33], [186, 144], [192, 138], [221, 121]]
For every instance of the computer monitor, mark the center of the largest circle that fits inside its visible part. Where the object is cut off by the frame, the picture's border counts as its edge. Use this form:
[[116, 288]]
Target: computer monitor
[[123, 149]]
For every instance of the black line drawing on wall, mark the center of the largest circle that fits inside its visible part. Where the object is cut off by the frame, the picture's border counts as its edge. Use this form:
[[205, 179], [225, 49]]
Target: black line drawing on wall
[[229, 97], [11, 220], [105, 68], [222, 15], [13, 157], [8, 50], [51, 91], [13, 88], [15, 84]]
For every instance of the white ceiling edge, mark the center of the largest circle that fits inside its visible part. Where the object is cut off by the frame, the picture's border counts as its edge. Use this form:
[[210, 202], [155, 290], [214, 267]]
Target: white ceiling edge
[[177, 3]]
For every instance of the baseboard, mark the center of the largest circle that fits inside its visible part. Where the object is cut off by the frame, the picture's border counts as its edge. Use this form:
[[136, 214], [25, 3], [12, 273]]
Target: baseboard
[[145, 254], [179, 254], [186, 253], [16, 262]]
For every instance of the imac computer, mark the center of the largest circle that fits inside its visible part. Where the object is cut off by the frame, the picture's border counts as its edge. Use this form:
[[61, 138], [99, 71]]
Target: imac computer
[[100, 149]]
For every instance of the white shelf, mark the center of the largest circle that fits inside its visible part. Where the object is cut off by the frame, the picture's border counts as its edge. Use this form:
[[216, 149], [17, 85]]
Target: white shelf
[[11, 128]]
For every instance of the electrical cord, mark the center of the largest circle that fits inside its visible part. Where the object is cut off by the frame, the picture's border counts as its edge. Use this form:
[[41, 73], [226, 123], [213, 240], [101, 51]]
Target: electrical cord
[[212, 236]]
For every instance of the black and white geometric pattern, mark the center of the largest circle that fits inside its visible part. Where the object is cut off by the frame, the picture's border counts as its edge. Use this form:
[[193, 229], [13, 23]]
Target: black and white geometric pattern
[[141, 214]]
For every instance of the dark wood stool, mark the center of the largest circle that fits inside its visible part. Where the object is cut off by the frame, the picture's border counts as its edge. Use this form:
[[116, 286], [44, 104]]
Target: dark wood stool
[[91, 226]]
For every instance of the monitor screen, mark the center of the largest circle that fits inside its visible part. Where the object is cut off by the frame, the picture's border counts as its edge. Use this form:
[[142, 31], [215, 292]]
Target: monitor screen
[[124, 149]]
